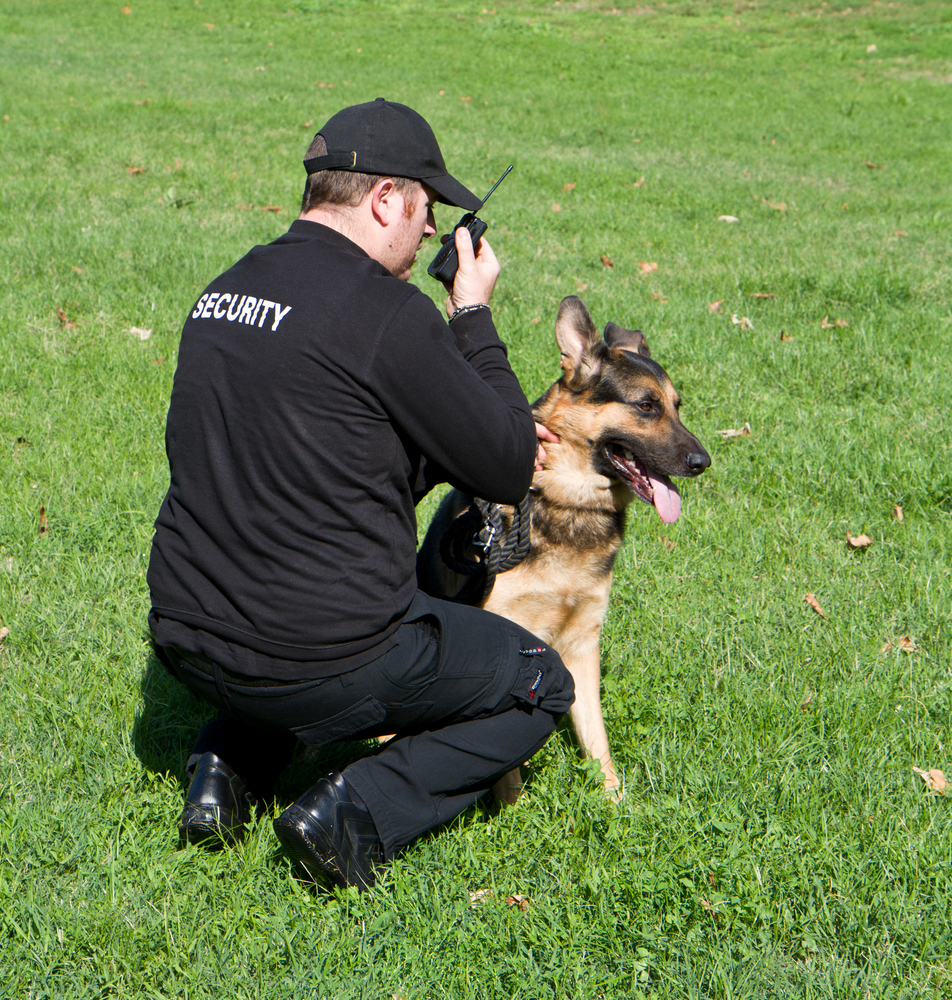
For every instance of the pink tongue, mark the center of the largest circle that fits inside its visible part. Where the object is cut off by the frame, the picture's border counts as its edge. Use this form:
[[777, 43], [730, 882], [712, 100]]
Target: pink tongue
[[667, 500]]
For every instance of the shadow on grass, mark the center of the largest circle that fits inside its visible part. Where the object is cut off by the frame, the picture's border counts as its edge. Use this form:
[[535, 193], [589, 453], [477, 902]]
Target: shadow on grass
[[169, 720]]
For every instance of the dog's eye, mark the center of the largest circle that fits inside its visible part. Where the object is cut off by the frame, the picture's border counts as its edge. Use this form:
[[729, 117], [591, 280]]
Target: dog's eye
[[646, 406]]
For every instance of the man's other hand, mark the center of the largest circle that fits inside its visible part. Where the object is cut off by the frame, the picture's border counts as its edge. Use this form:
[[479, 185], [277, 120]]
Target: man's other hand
[[477, 274]]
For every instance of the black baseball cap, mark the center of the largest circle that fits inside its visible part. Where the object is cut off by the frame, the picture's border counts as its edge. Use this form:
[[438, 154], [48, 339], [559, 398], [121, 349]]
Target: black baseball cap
[[382, 137]]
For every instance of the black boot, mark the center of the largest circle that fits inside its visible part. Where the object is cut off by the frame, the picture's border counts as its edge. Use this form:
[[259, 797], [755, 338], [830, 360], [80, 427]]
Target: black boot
[[217, 804], [330, 836]]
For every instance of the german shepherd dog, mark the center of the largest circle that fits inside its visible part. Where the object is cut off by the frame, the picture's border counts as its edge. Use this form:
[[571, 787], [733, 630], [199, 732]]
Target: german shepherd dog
[[620, 437]]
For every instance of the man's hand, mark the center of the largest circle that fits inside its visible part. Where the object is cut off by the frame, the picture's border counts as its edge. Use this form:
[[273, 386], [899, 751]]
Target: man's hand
[[544, 434], [477, 274]]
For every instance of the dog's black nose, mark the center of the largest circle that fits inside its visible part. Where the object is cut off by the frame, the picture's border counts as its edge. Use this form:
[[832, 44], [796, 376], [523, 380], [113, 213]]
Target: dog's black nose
[[698, 461]]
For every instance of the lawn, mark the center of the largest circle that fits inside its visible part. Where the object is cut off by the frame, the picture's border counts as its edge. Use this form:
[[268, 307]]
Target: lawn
[[774, 840]]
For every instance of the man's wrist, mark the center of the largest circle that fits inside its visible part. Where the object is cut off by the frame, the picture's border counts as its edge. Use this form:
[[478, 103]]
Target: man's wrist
[[462, 310]]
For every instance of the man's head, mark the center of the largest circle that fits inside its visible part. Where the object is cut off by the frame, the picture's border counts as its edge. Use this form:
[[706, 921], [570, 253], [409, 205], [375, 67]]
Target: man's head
[[373, 140], [386, 207]]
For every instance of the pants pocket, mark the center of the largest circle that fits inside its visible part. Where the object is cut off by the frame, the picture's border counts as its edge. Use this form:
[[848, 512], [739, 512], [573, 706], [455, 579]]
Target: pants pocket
[[365, 714], [542, 681]]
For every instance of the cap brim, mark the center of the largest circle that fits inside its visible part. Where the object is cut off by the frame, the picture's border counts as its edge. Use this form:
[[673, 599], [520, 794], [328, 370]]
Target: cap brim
[[451, 192]]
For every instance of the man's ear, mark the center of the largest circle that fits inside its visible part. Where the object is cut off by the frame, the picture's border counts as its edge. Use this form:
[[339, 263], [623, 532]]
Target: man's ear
[[618, 338], [576, 335], [384, 199]]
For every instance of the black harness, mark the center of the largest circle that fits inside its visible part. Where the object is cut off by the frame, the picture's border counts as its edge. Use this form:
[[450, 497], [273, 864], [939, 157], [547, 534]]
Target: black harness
[[480, 545]]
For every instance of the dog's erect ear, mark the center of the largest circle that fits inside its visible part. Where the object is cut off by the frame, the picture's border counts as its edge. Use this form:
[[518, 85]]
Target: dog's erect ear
[[576, 335], [617, 337]]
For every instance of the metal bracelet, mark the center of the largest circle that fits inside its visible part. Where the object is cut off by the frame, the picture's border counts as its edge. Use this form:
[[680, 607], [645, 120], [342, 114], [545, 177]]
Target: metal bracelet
[[468, 309]]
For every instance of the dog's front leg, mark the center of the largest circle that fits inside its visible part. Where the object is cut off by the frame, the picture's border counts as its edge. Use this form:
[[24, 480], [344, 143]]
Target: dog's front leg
[[586, 714], [508, 789]]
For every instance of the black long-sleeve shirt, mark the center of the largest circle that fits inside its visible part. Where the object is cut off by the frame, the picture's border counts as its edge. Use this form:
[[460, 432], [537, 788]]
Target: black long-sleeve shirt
[[317, 398]]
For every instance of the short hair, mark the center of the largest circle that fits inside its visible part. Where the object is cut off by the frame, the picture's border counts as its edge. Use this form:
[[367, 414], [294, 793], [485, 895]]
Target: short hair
[[342, 187]]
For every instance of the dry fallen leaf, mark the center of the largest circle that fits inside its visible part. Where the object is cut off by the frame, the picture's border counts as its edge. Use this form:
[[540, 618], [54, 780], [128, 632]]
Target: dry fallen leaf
[[825, 323], [246, 208], [897, 510], [743, 322], [536, 320], [136, 170], [65, 321], [739, 432], [78, 270], [658, 297], [780, 206], [815, 604], [784, 336], [307, 124], [907, 645], [4, 632], [44, 524], [763, 295], [556, 208], [475, 898], [871, 48], [210, 27], [806, 703], [715, 307], [581, 286], [466, 100], [647, 267], [900, 232], [141, 331], [874, 166], [638, 184], [126, 10], [146, 101], [727, 218], [607, 261], [521, 901], [859, 541], [744, 431], [568, 187], [668, 544], [934, 779], [270, 208], [887, 645]]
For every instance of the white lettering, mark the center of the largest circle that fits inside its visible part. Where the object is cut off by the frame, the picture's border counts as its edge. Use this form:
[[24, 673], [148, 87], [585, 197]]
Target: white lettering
[[279, 315], [250, 302], [268, 306], [255, 315], [236, 305], [207, 311], [221, 302], [198, 306]]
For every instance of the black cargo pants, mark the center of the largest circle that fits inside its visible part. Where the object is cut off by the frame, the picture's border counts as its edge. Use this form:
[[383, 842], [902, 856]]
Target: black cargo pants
[[468, 694]]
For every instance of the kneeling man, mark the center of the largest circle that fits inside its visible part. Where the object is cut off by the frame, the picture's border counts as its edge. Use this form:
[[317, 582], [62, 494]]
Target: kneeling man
[[318, 397]]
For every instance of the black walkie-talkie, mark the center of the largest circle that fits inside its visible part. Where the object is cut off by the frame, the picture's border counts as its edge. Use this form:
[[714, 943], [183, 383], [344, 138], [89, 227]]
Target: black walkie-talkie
[[446, 263]]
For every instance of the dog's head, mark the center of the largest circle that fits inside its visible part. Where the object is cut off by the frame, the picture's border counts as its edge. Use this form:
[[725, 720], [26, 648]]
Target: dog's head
[[616, 413]]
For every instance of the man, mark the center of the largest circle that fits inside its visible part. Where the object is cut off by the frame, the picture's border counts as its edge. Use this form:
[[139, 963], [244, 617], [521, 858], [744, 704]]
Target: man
[[318, 397]]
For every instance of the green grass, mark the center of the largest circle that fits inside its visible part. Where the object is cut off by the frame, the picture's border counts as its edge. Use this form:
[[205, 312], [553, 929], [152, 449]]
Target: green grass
[[774, 841]]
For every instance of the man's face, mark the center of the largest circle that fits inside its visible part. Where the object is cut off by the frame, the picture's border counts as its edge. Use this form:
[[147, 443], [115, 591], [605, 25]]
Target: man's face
[[415, 225]]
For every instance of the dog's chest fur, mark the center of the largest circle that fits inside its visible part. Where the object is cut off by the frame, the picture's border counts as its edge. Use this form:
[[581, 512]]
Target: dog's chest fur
[[560, 591]]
